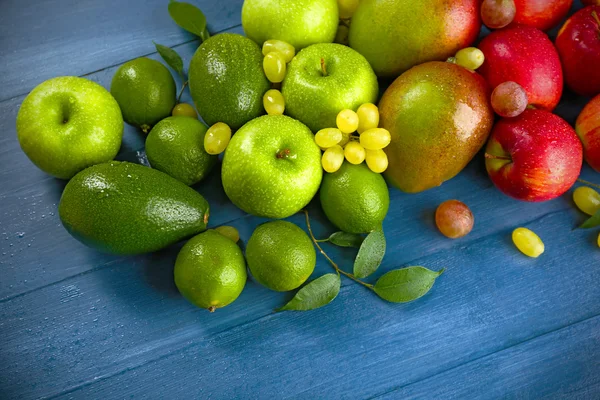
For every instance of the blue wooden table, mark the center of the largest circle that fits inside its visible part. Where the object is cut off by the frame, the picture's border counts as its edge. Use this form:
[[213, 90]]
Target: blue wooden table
[[78, 324]]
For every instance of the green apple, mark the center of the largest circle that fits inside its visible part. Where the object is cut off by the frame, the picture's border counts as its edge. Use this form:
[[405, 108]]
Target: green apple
[[323, 80], [300, 22], [272, 175], [67, 124]]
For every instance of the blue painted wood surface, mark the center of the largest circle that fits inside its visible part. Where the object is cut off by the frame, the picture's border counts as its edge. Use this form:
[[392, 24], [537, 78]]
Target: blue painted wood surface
[[78, 324]]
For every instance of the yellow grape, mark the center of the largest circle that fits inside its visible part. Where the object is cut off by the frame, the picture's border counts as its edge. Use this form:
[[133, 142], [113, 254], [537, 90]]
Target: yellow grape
[[470, 58], [274, 102], [347, 8], [375, 139], [184, 110], [368, 117], [354, 153], [377, 160], [284, 48], [528, 242], [345, 139], [347, 121], [229, 232], [217, 138], [328, 137], [274, 66], [587, 199], [333, 158]]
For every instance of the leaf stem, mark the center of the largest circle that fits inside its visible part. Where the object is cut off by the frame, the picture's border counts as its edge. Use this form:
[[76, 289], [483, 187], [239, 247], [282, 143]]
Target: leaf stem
[[181, 91], [322, 240], [588, 183], [333, 264]]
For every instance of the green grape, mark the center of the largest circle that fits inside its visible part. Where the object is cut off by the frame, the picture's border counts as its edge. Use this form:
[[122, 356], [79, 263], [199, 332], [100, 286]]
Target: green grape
[[375, 138], [599, 240], [345, 139], [333, 158], [528, 242], [341, 35], [377, 160], [229, 232], [470, 58], [454, 219], [184, 110], [368, 117], [354, 153], [347, 121], [217, 138], [347, 8], [274, 102], [328, 137], [274, 66], [587, 199], [284, 48]]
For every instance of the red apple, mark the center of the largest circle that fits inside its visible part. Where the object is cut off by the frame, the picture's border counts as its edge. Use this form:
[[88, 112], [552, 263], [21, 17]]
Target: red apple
[[588, 129], [533, 157], [578, 44], [591, 2], [524, 55], [541, 14]]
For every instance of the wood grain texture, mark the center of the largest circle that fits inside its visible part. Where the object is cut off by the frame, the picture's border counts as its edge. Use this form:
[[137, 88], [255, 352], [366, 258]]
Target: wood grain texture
[[78, 324]]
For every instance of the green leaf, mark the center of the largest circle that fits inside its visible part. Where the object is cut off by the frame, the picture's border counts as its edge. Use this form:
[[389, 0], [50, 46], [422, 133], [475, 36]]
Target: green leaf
[[370, 254], [406, 284], [345, 239], [190, 18], [171, 57], [316, 294], [592, 222]]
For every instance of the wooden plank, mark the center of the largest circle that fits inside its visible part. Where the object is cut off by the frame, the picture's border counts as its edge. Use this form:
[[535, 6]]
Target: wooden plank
[[119, 330], [40, 39]]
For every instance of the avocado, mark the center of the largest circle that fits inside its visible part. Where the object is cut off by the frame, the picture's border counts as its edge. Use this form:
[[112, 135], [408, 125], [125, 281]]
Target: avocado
[[125, 208], [227, 81]]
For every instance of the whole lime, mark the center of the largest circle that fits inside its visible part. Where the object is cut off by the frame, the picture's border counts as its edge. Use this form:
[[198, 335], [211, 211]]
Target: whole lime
[[67, 124], [210, 271], [280, 255], [354, 198], [145, 91], [175, 146]]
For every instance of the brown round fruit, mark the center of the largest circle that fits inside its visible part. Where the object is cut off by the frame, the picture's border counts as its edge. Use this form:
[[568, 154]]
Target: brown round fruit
[[454, 219]]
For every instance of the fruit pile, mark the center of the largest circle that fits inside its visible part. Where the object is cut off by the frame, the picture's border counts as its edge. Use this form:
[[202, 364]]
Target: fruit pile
[[293, 109]]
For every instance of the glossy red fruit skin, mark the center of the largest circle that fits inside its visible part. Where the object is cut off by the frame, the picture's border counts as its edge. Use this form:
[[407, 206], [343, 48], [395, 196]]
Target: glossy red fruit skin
[[578, 44], [591, 2], [524, 55], [541, 14], [588, 130], [544, 156]]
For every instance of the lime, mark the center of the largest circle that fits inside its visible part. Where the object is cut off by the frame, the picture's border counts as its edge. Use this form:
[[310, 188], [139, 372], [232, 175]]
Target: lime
[[210, 271], [280, 255], [145, 91]]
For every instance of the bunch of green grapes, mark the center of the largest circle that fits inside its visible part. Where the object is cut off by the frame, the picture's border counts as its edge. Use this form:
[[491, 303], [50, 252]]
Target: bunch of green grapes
[[277, 54]]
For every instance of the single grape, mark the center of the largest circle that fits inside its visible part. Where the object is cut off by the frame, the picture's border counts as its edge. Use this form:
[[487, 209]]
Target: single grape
[[184, 110], [375, 139], [454, 219], [354, 153], [496, 14], [599, 240], [333, 158], [284, 48], [274, 102], [345, 139], [328, 137], [341, 35], [229, 232], [587, 199], [509, 99], [528, 242], [274, 66], [347, 8], [470, 58], [368, 117], [377, 160], [347, 121], [217, 138]]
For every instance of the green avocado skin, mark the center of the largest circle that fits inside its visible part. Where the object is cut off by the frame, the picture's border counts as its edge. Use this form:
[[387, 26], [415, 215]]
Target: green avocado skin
[[124, 208], [227, 81]]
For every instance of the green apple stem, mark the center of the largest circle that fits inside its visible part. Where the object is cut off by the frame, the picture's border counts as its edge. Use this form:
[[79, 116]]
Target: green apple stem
[[285, 153], [493, 157], [333, 264], [323, 68], [181, 91], [588, 183]]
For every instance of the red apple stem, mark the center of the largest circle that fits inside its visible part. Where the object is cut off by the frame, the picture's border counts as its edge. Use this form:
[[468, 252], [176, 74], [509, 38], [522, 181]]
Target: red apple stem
[[595, 16], [323, 68], [588, 183], [493, 157]]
